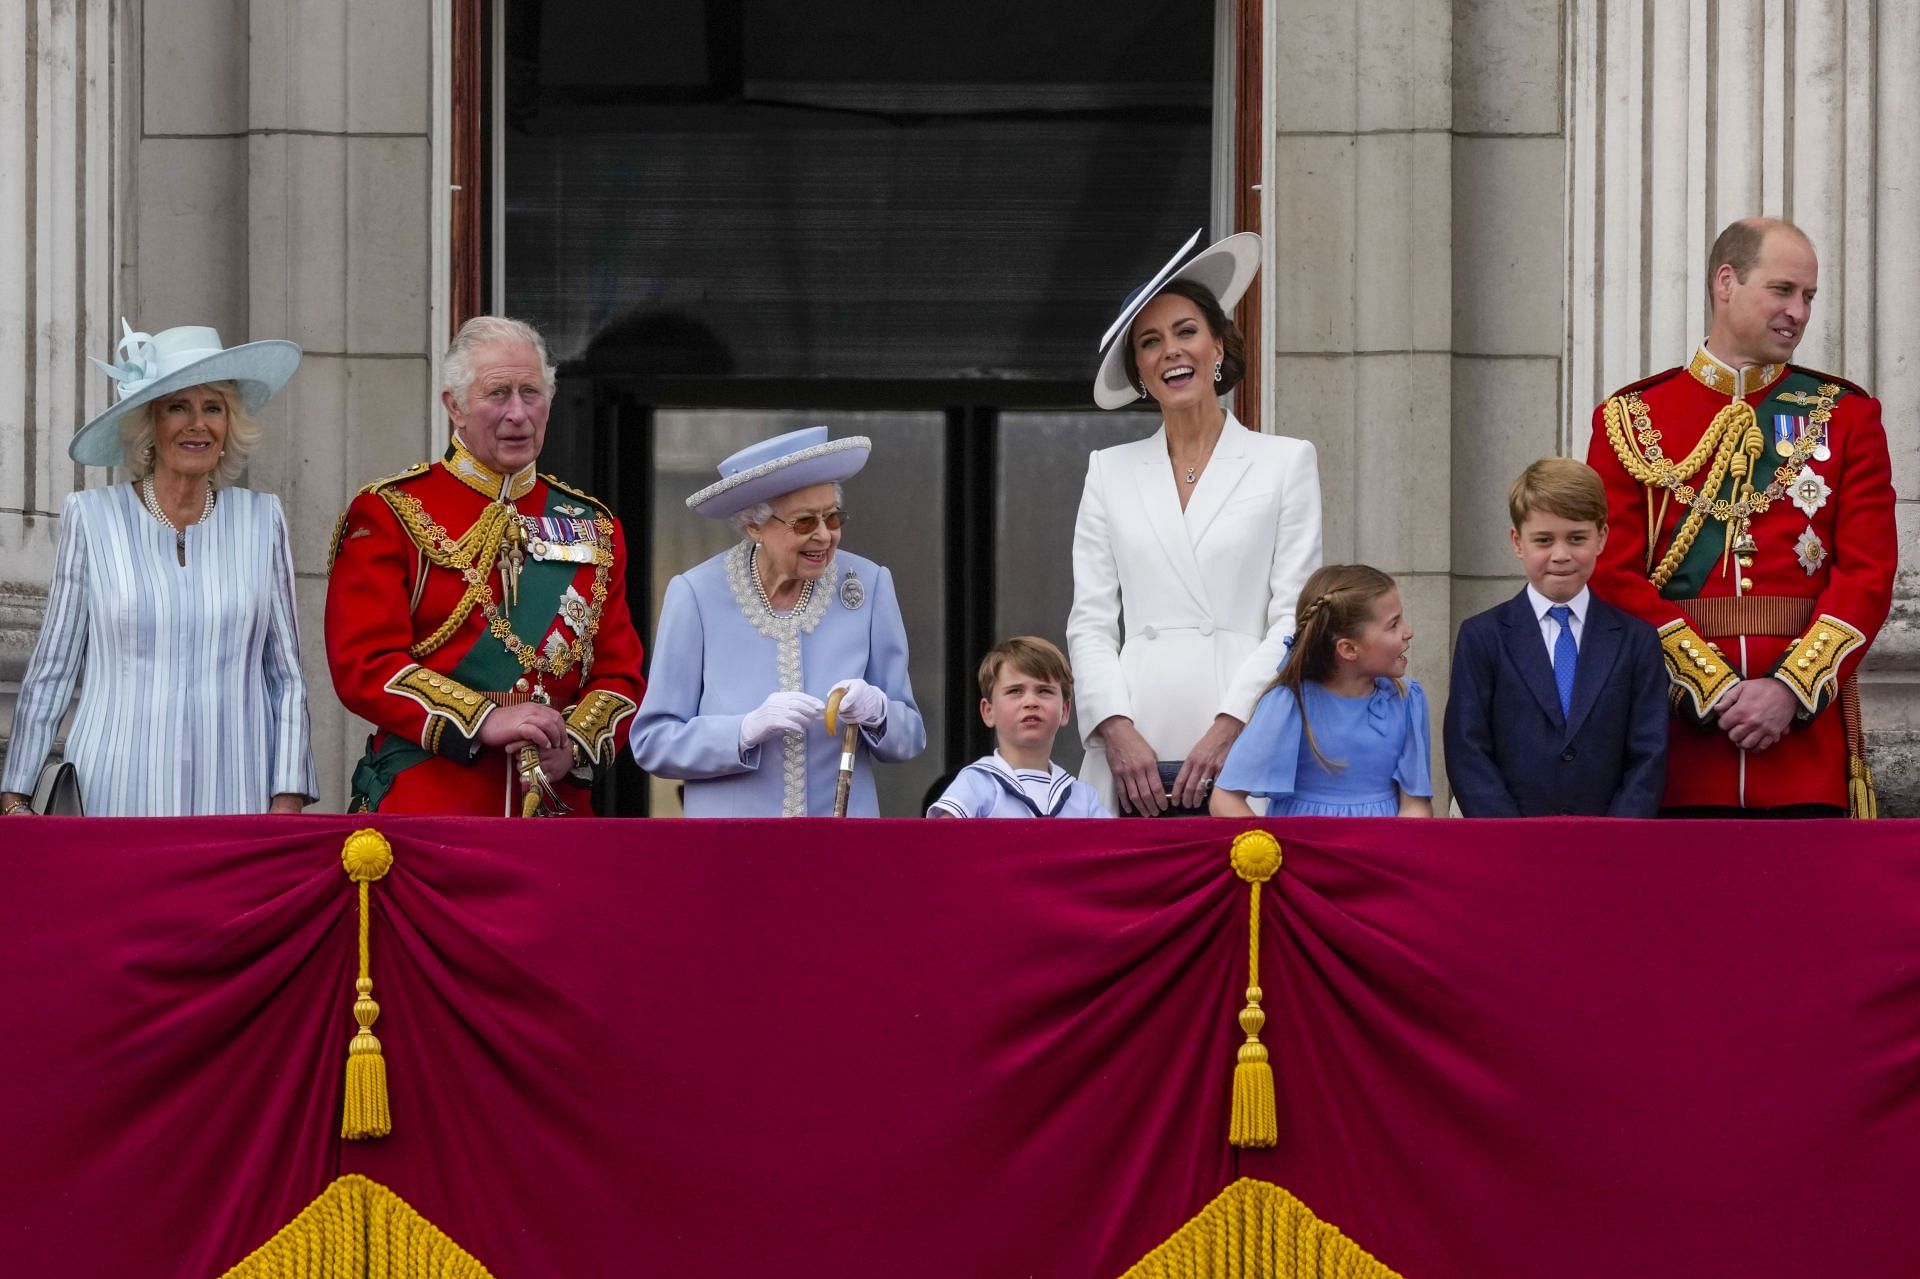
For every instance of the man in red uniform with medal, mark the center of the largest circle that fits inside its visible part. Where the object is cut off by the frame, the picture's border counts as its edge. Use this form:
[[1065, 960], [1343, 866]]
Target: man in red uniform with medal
[[477, 611], [1750, 504]]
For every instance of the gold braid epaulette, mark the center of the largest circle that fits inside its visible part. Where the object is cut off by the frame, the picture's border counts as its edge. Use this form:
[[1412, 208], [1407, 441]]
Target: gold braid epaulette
[[588, 498], [340, 525], [472, 555]]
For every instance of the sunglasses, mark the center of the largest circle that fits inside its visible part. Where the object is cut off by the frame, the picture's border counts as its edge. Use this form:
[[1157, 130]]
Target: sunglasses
[[806, 524]]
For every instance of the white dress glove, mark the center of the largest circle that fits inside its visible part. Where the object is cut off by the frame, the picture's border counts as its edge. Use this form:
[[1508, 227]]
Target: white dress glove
[[864, 704], [781, 713]]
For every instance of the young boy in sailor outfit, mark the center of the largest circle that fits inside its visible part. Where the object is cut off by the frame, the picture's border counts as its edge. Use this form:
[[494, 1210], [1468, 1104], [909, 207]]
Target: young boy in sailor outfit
[[1026, 695]]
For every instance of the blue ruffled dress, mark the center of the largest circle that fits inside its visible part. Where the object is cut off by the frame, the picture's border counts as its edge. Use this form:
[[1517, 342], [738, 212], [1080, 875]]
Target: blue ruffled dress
[[1377, 743]]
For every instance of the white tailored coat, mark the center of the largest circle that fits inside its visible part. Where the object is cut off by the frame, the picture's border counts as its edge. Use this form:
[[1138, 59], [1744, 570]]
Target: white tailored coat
[[1181, 615]]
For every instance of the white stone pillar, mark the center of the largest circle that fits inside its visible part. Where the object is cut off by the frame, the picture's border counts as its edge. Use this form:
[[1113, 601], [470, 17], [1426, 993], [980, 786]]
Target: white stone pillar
[[1683, 116], [58, 109], [1360, 277]]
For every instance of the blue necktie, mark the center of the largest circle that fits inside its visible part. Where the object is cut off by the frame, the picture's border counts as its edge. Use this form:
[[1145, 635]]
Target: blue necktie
[[1565, 657]]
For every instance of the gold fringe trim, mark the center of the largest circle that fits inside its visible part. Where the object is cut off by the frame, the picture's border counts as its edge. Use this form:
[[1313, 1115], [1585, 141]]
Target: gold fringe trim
[[1256, 1230], [366, 856], [359, 1229], [1255, 858]]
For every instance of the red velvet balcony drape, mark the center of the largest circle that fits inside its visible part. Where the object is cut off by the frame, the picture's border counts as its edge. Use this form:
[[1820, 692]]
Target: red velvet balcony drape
[[969, 1049]]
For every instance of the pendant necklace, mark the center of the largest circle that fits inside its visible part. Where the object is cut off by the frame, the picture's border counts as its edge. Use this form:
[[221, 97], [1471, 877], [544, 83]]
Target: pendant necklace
[[1193, 468], [151, 501]]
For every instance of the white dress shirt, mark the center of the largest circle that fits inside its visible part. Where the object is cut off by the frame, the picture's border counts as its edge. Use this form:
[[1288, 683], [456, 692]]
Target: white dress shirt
[[1550, 629]]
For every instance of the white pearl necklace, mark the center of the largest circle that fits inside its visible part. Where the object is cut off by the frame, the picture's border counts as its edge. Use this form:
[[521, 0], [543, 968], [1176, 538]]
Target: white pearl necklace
[[753, 570], [151, 501]]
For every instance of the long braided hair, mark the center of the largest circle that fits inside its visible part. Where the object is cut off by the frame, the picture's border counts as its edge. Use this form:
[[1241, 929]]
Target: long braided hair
[[1335, 604]]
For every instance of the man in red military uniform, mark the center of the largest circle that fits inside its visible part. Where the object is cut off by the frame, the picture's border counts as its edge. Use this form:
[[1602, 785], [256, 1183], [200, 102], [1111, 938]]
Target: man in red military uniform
[[1750, 504], [477, 611]]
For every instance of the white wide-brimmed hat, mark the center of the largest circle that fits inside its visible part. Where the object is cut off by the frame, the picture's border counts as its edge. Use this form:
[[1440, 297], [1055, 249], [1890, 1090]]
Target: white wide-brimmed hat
[[155, 365], [1225, 268], [761, 472]]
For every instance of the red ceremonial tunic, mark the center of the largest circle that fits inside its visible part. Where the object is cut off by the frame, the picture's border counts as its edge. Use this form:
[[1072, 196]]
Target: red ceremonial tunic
[[420, 561], [1798, 598]]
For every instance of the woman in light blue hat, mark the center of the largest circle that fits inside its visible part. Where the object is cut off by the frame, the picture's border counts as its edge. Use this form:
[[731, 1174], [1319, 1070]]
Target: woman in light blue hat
[[753, 641], [172, 600]]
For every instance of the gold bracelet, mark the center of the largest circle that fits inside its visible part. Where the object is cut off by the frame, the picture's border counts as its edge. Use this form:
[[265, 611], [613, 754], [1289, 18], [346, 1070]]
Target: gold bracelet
[[17, 806]]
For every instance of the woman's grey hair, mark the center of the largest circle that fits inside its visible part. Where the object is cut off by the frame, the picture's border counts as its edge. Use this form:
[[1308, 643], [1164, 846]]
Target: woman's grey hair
[[456, 370], [760, 512], [243, 433]]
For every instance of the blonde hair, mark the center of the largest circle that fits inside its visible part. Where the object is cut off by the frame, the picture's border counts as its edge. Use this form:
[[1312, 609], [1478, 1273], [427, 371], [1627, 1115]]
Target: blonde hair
[[1559, 486], [243, 433], [1031, 654], [1335, 604]]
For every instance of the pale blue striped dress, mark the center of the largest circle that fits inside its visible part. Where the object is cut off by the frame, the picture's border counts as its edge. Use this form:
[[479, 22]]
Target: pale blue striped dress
[[191, 699]]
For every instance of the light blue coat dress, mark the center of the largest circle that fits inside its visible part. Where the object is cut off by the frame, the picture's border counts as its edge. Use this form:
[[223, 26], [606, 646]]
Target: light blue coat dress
[[717, 655], [1377, 745], [192, 701]]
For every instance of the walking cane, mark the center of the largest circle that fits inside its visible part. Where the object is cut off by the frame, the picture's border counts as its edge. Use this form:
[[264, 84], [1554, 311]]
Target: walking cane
[[849, 743]]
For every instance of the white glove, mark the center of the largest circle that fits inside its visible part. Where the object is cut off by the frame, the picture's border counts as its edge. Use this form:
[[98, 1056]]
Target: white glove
[[780, 713], [864, 704]]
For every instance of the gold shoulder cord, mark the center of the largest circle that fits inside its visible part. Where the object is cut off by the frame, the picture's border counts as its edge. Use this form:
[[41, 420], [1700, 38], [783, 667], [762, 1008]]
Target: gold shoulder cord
[[1731, 438], [472, 555]]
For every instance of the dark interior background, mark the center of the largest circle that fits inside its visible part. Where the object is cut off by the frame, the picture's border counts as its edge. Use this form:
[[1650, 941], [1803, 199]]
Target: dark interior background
[[911, 222]]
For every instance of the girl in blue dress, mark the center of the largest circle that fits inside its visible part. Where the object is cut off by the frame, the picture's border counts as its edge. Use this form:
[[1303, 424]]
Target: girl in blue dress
[[1340, 732]]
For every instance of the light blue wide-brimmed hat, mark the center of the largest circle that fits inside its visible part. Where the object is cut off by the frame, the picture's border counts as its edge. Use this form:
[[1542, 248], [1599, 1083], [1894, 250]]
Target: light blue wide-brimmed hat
[[155, 365], [1226, 267], [761, 472]]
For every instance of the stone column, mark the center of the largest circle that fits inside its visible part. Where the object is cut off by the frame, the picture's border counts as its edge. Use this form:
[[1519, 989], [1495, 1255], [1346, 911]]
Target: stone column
[[1361, 287], [59, 99], [336, 159], [1509, 277], [1685, 116]]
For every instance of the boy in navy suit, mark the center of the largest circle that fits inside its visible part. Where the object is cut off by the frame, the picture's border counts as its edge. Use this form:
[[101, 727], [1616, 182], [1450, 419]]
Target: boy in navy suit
[[1559, 700]]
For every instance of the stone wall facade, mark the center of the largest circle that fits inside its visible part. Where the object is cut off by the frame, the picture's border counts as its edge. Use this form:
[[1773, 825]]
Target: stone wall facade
[[1487, 213], [261, 166]]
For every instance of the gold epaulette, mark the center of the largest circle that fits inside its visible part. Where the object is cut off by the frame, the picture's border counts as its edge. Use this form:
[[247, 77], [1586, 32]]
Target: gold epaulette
[[418, 468], [1698, 670], [340, 525], [571, 491], [1832, 379], [1811, 664]]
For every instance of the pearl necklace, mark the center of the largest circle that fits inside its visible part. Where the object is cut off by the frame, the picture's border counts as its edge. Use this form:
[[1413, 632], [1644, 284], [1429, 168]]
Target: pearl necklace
[[753, 570], [151, 501]]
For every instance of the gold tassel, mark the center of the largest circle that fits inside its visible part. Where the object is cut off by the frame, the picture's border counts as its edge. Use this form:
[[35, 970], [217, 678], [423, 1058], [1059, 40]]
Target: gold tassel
[[1255, 1122], [1863, 800], [366, 857]]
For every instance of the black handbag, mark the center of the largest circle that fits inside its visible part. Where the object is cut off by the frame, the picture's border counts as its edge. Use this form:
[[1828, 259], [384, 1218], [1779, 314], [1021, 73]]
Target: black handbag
[[1169, 772], [57, 791]]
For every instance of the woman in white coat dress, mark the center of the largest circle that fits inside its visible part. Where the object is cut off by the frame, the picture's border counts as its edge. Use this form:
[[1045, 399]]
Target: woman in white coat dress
[[1190, 548]]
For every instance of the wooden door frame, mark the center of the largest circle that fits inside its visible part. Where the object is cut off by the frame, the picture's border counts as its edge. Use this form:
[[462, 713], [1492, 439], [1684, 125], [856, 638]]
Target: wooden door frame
[[1249, 118]]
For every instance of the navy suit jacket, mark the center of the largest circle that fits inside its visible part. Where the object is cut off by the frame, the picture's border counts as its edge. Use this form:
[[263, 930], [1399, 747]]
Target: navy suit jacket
[[1510, 750]]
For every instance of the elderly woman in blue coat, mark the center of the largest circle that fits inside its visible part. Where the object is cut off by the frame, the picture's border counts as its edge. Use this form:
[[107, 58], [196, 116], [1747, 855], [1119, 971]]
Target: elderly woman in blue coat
[[753, 641]]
